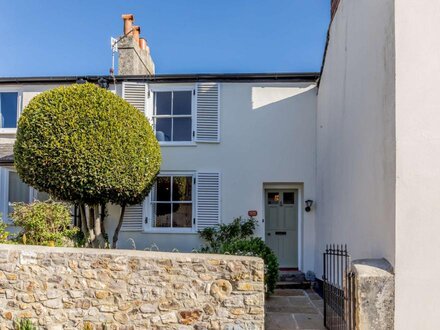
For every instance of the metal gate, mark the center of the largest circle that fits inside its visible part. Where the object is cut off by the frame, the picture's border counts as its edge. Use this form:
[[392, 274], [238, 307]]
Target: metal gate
[[339, 297]]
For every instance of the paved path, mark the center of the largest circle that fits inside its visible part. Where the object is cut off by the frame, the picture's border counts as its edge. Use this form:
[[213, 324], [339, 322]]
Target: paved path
[[294, 309]]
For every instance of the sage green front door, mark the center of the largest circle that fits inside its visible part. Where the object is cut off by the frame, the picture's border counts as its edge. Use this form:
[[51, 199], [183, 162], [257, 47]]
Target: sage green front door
[[281, 225]]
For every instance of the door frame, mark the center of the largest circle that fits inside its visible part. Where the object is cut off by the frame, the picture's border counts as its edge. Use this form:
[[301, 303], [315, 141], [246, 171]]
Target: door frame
[[293, 186]]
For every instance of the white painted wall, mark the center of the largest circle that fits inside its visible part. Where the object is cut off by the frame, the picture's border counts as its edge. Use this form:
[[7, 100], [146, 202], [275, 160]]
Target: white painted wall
[[418, 164], [268, 135], [355, 133]]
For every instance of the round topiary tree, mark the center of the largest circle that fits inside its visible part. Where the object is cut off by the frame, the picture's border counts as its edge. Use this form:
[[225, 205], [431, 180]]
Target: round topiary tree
[[86, 145]]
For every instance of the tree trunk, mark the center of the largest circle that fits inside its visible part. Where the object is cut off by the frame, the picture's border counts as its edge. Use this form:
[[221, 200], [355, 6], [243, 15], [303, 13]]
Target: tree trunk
[[118, 228], [91, 224], [102, 217], [99, 237], [84, 228]]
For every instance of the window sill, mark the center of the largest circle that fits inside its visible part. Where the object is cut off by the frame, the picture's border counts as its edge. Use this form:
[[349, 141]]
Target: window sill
[[177, 144], [8, 131], [169, 231]]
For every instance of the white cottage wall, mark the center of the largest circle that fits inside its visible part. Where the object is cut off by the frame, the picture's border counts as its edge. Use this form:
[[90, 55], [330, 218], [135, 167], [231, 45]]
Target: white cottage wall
[[356, 133]]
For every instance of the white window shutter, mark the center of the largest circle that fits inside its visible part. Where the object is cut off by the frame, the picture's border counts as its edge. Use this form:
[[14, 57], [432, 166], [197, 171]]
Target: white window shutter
[[27, 97], [208, 199], [135, 93], [208, 112], [133, 218]]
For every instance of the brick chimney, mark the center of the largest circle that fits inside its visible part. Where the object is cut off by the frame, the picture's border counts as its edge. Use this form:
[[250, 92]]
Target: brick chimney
[[134, 53], [333, 8]]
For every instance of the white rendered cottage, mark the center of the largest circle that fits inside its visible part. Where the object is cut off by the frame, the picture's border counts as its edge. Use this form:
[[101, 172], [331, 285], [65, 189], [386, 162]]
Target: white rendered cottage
[[238, 143]]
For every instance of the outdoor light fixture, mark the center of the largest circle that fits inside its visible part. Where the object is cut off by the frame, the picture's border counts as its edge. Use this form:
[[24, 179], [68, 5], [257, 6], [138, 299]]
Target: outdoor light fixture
[[309, 204]]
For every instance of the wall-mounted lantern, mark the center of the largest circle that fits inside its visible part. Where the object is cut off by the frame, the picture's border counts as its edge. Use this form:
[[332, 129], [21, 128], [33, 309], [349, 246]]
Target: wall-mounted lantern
[[309, 204]]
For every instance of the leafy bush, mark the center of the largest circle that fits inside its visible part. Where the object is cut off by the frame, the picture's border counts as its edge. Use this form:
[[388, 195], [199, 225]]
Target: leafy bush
[[85, 145], [4, 234], [236, 238], [43, 223], [82, 143], [257, 248], [215, 237]]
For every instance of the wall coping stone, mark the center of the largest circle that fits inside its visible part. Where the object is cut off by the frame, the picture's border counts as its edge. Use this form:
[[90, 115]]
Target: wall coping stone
[[125, 253], [372, 267]]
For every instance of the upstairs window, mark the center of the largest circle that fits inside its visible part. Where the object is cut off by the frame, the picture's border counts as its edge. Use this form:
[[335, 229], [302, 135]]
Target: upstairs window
[[8, 109], [173, 115], [172, 202]]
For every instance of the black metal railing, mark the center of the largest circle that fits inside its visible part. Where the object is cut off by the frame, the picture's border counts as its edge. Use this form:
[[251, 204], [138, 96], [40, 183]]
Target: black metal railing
[[339, 289]]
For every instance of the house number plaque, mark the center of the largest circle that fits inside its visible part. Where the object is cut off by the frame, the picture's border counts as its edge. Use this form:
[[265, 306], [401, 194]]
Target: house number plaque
[[252, 213]]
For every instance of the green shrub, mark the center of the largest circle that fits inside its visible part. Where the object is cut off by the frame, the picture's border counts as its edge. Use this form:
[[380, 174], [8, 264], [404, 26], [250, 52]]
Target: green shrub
[[87, 146], [43, 223], [215, 237], [237, 238], [4, 234], [257, 248], [82, 143], [24, 324]]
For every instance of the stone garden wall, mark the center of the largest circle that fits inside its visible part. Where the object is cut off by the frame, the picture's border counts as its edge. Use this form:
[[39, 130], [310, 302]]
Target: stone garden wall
[[64, 288]]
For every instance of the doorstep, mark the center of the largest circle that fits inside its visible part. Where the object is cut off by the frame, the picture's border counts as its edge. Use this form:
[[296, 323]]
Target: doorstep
[[292, 279]]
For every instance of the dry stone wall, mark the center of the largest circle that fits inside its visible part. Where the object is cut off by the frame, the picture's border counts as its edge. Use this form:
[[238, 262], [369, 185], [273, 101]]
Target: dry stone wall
[[67, 288]]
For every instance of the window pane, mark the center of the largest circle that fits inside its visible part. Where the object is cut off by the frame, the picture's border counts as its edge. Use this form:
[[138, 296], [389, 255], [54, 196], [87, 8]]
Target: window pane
[[8, 110], [182, 187], [42, 196], [163, 103], [163, 129], [182, 103], [182, 129], [289, 198], [273, 198], [182, 215], [162, 215], [163, 189], [18, 191]]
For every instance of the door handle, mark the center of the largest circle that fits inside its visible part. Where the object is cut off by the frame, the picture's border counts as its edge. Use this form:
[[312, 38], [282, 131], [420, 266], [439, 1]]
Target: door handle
[[268, 234]]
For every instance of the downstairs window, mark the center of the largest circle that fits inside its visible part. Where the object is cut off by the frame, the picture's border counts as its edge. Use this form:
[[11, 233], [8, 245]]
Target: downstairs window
[[172, 202]]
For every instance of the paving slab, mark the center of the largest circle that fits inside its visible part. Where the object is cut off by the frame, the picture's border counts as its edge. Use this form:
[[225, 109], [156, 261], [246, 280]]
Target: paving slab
[[294, 309], [309, 321], [280, 321]]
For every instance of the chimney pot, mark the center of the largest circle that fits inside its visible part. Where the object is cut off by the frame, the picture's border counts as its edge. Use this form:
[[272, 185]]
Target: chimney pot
[[142, 43], [136, 33], [128, 23]]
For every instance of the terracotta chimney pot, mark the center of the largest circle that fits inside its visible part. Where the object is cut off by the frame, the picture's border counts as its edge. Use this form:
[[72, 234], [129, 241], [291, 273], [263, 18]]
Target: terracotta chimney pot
[[128, 23], [142, 43], [136, 33]]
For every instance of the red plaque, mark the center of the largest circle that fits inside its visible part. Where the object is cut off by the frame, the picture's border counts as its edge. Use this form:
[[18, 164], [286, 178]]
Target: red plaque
[[252, 213]]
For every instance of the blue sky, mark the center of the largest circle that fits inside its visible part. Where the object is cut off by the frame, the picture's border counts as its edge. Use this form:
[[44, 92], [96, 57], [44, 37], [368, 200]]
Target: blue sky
[[72, 37]]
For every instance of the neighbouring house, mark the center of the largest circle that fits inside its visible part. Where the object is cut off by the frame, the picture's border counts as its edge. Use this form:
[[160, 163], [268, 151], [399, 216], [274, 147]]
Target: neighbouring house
[[361, 140]]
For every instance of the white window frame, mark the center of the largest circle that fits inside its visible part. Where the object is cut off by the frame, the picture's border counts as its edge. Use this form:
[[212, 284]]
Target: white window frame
[[19, 108], [170, 88], [148, 207], [4, 194]]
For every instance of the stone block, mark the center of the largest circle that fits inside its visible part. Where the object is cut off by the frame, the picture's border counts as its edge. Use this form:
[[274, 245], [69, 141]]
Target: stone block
[[374, 287]]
